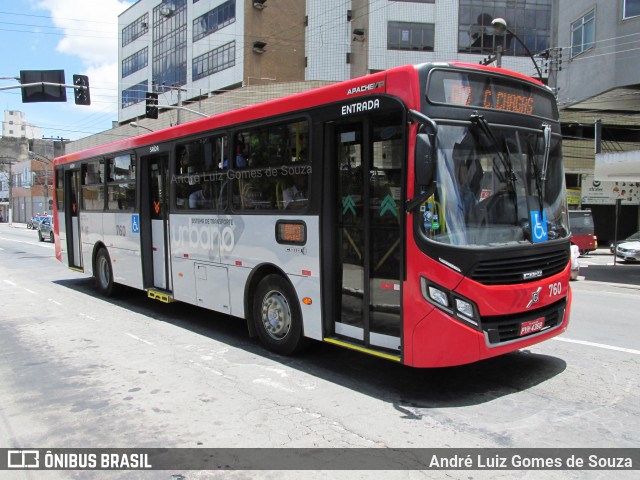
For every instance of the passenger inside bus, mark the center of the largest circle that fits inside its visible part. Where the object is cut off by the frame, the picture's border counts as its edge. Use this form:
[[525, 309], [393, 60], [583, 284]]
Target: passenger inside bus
[[202, 198], [241, 154], [296, 195]]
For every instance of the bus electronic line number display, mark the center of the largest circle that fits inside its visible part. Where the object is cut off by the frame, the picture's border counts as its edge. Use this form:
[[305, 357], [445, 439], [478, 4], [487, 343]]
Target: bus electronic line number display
[[482, 90]]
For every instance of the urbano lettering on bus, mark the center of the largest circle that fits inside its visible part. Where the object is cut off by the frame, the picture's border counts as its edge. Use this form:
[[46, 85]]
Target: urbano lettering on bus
[[205, 237], [360, 107]]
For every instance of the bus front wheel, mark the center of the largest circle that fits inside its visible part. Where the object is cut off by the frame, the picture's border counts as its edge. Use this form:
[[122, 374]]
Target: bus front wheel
[[277, 317], [104, 273]]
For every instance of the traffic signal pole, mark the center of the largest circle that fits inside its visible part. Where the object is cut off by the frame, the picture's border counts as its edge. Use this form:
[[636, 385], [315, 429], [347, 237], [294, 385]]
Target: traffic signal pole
[[76, 88]]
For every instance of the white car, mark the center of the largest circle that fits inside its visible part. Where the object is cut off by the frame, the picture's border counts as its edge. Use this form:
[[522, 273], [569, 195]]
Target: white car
[[629, 251], [575, 262]]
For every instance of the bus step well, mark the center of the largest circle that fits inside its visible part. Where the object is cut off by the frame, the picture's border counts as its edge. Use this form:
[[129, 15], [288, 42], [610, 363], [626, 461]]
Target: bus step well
[[354, 346], [161, 296]]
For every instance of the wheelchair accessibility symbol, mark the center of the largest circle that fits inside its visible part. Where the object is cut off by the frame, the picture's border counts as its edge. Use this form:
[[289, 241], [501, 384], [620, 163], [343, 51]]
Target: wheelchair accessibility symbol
[[539, 232], [135, 223]]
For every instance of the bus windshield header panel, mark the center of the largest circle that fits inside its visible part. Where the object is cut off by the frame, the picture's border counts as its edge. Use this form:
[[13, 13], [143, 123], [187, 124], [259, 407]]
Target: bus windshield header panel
[[482, 90]]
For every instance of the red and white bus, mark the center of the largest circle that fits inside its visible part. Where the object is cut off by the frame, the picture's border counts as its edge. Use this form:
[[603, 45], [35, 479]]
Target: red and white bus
[[417, 214], [583, 231]]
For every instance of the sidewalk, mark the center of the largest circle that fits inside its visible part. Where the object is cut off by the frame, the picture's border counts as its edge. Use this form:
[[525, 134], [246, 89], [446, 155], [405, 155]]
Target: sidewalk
[[624, 274], [14, 225]]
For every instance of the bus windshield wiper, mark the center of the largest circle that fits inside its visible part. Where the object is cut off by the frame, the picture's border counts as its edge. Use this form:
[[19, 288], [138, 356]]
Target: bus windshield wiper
[[536, 175], [479, 122], [546, 134]]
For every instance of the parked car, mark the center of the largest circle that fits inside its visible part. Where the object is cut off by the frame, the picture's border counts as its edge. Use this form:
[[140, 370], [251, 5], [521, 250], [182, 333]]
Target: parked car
[[575, 262], [629, 249], [631, 238], [45, 229], [35, 221]]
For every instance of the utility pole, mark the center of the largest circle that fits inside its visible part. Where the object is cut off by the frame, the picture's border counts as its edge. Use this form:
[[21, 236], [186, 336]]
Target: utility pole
[[9, 161], [179, 105]]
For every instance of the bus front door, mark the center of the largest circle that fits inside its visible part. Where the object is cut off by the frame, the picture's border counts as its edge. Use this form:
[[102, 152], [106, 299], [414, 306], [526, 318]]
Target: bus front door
[[72, 218], [366, 158], [154, 223]]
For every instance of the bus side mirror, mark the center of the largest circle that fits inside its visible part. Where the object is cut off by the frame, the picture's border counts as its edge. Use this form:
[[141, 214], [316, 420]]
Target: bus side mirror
[[424, 160]]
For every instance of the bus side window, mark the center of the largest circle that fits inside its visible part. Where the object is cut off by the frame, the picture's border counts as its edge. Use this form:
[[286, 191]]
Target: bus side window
[[197, 177], [277, 173]]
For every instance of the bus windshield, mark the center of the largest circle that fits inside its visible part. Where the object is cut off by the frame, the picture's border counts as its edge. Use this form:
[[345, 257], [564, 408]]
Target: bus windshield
[[491, 181]]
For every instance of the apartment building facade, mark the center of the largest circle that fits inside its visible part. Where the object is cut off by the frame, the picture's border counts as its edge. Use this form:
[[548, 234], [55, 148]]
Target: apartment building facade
[[599, 96], [188, 50], [200, 48]]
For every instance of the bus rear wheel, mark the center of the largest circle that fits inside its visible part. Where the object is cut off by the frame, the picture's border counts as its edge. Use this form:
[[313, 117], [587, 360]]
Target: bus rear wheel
[[103, 273], [277, 316]]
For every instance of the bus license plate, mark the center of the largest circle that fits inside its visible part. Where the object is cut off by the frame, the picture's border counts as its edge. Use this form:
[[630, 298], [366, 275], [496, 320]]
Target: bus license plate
[[531, 326]]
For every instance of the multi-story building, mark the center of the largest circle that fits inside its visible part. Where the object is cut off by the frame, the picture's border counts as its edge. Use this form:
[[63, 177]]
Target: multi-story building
[[196, 49], [599, 83], [27, 176], [15, 125], [186, 50], [349, 38]]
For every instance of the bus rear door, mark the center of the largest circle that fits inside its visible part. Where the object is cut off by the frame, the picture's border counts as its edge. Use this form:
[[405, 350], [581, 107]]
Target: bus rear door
[[154, 225], [72, 218]]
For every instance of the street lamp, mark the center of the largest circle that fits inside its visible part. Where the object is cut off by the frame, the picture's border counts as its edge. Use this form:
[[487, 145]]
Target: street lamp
[[500, 26], [135, 125]]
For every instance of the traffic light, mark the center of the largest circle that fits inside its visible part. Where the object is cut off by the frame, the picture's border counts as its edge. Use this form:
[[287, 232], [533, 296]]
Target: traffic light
[[81, 90], [152, 105]]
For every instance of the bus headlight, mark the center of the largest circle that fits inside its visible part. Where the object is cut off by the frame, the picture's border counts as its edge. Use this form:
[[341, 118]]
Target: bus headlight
[[464, 308], [438, 296], [466, 312], [456, 306]]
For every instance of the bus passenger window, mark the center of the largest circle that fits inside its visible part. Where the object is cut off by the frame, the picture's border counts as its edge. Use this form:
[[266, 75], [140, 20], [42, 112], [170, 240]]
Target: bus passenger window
[[295, 196], [197, 179]]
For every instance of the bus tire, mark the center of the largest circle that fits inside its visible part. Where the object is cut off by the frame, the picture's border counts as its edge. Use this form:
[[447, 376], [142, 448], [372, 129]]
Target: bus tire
[[277, 316], [103, 273]]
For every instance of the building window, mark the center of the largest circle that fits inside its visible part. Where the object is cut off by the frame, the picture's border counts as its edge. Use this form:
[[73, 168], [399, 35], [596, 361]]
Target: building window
[[214, 61], [135, 29], [410, 36], [214, 20], [631, 8], [583, 33], [135, 62], [169, 44], [530, 20], [134, 94]]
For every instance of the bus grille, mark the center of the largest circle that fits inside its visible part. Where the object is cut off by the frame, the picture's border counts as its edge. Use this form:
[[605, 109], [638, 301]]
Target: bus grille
[[500, 329], [511, 270]]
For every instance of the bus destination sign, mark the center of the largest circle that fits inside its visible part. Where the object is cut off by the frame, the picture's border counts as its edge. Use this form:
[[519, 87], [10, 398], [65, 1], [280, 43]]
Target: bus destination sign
[[481, 90]]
